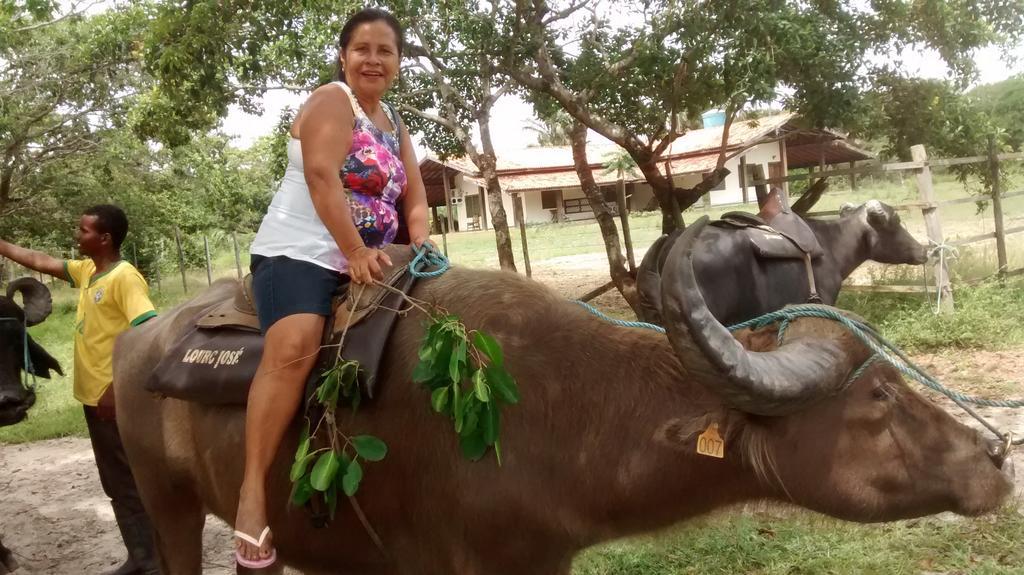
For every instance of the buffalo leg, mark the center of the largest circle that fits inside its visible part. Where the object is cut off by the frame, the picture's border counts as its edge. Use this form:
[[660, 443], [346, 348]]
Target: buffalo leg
[[178, 519]]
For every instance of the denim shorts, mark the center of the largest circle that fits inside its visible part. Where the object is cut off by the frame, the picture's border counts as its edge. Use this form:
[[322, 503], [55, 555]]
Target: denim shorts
[[283, 286]]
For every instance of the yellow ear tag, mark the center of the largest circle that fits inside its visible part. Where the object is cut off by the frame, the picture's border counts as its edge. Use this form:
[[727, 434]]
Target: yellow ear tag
[[710, 443]]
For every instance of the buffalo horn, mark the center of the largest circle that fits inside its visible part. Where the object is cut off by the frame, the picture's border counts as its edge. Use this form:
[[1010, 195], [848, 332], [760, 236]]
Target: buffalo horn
[[777, 382], [35, 297]]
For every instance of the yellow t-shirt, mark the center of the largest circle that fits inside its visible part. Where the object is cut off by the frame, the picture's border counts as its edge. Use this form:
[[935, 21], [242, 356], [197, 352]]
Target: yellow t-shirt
[[108, 304]]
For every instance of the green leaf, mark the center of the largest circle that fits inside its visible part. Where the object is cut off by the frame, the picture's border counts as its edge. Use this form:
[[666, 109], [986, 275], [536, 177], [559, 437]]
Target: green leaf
[[303, 449], [480, 387], [423, 373], [369, 447], [489, 347], [473, 446], [471, 416], [491, 423], [457, 407], [439, 399], [301, 491], [324, 470], [502, 384], [331, 498], [458, 359], [353, 476], [327, 393], [299, 467]]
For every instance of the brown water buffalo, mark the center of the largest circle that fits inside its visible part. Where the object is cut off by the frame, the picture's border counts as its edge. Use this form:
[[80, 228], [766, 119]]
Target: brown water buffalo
[[602, 445]]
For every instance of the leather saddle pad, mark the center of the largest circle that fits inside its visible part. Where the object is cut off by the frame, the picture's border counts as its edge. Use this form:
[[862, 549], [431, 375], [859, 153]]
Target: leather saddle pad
[[787, 236], [215, 362]]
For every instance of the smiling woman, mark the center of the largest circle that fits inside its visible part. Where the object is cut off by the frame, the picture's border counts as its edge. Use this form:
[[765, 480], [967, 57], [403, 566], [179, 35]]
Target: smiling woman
[[351, 176]]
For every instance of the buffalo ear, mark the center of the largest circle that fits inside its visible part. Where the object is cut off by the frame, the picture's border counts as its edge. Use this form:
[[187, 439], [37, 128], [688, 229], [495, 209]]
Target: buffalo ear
[[42, 361]]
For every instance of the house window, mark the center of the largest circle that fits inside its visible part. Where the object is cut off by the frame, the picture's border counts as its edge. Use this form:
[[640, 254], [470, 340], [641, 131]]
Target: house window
[[549, 199], [720, 186]]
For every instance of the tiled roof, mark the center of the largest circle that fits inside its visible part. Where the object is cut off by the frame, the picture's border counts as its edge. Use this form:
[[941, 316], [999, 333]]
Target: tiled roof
[[551, 180], [559, 158]]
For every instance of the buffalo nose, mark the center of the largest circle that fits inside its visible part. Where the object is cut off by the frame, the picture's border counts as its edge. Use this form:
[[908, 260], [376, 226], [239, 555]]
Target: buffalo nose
[[8, 397]]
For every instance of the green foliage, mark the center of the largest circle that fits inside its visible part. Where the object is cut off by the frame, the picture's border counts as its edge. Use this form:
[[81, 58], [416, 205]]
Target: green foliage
[[65, 79], [465, 373], [986, 317], [935, 113], [335, 467], [1004, 104], [642, 85], [798, 543], [207, 55]]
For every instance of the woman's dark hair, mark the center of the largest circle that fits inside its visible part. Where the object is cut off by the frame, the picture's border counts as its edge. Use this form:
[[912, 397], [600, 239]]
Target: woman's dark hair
[[362, 17]]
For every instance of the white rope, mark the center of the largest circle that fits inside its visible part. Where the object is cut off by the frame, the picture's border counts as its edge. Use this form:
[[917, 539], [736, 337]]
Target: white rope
[[943, 251]]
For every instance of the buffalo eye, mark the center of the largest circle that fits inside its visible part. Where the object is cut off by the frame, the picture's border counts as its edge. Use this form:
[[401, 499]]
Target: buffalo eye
[[881, 393]]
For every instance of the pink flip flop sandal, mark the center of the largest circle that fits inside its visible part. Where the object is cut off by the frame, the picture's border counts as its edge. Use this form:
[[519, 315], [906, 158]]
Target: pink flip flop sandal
[[259, 563]]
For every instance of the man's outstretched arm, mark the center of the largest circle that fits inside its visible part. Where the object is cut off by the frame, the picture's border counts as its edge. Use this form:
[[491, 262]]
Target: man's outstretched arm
[[34, 260]]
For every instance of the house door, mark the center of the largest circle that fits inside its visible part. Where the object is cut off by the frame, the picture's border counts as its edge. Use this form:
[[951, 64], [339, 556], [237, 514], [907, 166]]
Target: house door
[[474, 218]]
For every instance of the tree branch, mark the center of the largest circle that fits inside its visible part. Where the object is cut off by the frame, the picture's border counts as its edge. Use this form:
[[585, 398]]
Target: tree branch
[[73, 12]]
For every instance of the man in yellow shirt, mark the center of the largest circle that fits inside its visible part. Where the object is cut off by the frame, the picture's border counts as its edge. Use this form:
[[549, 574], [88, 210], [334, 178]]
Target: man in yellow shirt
[[112, 298]]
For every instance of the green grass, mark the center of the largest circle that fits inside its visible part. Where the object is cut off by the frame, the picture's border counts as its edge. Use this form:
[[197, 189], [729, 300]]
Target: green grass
[[802, 543], [988, 316]]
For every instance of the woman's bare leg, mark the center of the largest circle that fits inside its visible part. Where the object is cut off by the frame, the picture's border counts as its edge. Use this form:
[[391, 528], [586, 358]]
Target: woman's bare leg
[[289, 353]]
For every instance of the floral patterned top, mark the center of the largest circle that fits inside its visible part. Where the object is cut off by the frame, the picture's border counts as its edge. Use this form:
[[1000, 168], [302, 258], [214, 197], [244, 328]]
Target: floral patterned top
[[374, 177]]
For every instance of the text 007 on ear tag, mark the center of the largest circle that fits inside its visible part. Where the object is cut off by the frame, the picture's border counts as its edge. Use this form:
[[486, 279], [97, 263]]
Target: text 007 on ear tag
[[710, 443]]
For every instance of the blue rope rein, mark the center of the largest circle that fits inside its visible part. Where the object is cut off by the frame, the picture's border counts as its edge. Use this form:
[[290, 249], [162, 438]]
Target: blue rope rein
[[883, 349], [619, 322], [427, 256]]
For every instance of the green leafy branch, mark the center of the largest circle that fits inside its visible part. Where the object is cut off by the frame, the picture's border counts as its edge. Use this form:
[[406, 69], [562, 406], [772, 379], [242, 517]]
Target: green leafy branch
[[465, 373], [337, 466]]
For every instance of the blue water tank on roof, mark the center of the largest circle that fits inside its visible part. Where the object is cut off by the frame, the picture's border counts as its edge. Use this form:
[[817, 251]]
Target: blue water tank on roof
[[713, 118]]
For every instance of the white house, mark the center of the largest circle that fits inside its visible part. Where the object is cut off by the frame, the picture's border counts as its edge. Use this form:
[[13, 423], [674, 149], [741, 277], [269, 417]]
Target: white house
[[546, 179]]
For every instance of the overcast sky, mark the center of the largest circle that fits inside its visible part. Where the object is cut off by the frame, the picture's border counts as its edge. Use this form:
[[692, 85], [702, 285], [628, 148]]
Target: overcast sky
[[511, 113]]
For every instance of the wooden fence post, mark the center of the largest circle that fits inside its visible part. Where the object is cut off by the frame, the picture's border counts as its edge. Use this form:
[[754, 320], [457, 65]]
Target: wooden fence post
[[238, 257], [620, 200], [743, 178], [517, 206], [209, 270], [181, 258], [156, 265], [933, 224], [447, 209], [761, 190], [997, 206]]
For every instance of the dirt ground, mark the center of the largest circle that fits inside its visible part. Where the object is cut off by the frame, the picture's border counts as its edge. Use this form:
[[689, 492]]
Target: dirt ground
[[56, 519]]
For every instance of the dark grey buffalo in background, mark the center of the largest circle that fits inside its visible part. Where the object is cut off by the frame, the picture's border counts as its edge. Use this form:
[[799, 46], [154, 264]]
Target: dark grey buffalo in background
[[739, 286], [15, 398]]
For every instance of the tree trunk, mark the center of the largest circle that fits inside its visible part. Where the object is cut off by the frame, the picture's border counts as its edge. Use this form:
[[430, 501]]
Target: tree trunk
[[624, 281], [671, 199], [810, 197], [487, 164]]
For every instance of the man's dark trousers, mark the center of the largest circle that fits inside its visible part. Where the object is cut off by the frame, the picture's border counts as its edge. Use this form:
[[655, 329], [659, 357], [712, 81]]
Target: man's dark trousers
[[119, 485]]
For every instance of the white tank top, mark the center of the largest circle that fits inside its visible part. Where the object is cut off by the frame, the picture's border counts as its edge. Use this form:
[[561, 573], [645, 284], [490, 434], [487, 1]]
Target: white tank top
[[291, 226]]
